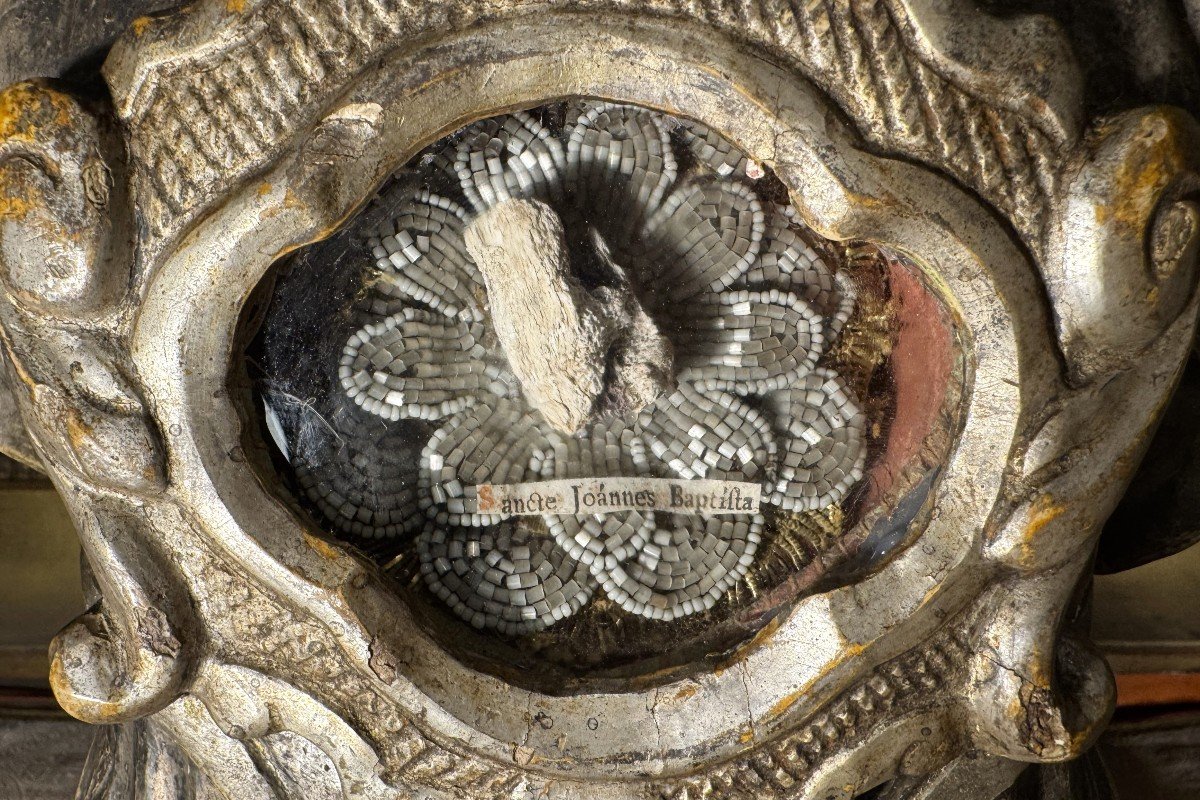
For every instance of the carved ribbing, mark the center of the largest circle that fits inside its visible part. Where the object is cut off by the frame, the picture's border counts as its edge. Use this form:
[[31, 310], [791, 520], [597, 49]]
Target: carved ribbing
[[778, 766], [294, 55]]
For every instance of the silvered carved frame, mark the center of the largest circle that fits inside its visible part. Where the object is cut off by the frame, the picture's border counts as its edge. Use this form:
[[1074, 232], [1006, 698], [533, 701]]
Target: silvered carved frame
[[261, 660]]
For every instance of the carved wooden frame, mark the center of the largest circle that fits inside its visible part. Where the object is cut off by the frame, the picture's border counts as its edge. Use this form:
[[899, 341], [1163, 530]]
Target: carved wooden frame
[[246, 130]]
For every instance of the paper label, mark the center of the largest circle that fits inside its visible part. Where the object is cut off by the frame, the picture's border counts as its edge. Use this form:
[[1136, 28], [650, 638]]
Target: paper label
[[607, 495]]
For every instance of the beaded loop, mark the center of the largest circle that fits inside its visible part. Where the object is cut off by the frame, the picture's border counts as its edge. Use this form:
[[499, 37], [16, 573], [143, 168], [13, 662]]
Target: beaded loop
[[824, 435], [362, 477], [686, 568], [748, 342], [699, 434], [705, 236], [421, 258], [511, 157], [415, 365], [619, 157], [492, 441], [507, 577]]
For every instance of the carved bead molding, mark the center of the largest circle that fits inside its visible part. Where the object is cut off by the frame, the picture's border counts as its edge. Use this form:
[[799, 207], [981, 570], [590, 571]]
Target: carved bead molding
[[249, 655]]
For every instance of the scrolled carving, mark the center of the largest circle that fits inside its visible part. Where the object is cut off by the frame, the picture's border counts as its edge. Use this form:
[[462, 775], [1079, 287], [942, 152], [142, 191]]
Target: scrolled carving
[[1174, 239], [1132, 188], [56, 186], [82, 404]]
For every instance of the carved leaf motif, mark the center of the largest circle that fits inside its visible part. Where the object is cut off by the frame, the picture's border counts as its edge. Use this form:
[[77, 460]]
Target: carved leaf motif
[[1004, 156], [863, 54], [81, 395], [273, 72]]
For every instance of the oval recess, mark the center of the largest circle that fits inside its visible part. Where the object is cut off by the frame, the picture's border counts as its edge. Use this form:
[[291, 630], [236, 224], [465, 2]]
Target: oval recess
[[370, 357]]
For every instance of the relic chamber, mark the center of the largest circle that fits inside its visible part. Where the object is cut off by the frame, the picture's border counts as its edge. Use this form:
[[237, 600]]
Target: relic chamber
[[600, 300]]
